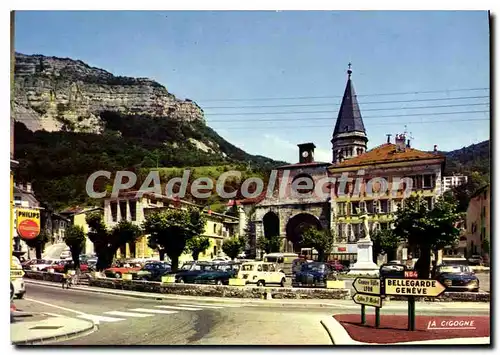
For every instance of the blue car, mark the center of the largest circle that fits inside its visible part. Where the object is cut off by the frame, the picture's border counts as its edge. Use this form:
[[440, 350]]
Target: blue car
[[314, 274]]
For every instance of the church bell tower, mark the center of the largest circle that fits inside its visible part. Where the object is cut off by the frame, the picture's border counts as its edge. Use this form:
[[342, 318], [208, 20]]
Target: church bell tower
[[349, 136]]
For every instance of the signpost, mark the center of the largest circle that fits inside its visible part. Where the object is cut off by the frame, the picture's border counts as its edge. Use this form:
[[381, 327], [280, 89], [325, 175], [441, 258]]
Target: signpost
[[370, 291], [368, 294]]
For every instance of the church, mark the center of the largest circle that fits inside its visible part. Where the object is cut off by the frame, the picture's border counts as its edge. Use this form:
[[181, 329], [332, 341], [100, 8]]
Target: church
[[363, 182]]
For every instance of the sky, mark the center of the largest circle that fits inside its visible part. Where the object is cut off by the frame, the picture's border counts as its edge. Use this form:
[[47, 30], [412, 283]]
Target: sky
[[232, 63]]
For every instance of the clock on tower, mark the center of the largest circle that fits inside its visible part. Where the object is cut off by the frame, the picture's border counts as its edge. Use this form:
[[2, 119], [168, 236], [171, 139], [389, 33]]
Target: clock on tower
[[306, 151]]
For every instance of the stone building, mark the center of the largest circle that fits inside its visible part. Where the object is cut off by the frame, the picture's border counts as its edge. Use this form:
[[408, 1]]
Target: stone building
[[288, 211]]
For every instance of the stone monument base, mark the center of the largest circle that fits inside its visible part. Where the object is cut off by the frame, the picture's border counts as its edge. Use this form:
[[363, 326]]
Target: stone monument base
[[364, 265]]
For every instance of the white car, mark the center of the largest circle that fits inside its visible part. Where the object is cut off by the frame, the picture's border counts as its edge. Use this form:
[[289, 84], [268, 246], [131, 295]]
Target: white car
[[18, 283], [261, 274]]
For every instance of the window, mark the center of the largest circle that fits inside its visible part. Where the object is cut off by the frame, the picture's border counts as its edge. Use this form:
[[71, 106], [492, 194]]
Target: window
[[369, 207], [428, 181], [354, 208], [351, 236], [376, 207], [341, 209], [114, 207], [259, 268], [340, 232], [362, 207], [123, 210], [215, 228], [384, 206], [272, 268], [133, 210]]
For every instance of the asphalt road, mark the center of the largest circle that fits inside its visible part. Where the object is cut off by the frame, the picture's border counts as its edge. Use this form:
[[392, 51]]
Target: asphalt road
[[133, 321]]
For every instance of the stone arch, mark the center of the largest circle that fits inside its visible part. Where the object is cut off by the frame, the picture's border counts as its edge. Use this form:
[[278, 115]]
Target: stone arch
[[296, 226], [271, 223]]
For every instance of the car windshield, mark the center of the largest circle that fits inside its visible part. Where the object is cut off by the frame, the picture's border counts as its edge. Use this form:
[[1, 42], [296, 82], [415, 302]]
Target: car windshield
[[453, 269], [313, 267], [248, 267], [186, 267]]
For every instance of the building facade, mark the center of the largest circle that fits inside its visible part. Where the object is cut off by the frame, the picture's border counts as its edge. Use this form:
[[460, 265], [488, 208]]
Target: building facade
[[450, 182], [77, 216], [478, 222], [130, 206], [287, 215]]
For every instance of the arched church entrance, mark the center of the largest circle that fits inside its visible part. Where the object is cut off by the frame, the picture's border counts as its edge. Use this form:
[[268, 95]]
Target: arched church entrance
[[296, 227]]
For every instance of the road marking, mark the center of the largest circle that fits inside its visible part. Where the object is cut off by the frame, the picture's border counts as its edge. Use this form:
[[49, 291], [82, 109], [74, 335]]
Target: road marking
[[201, 305], [180, 308], [53, 305], [146, 310], [128, 314], [98, 319]]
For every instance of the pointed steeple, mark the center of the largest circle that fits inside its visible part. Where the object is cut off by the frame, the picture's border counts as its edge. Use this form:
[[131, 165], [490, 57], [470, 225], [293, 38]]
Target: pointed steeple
[[349, 118], [349, 136]]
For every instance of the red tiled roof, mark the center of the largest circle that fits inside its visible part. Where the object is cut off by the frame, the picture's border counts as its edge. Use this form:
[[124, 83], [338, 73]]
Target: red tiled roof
[[386, 153]]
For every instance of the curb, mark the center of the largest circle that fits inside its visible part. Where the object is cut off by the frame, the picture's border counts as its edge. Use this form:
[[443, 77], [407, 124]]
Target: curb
[[394, 305], [339, 336], [68, 336]]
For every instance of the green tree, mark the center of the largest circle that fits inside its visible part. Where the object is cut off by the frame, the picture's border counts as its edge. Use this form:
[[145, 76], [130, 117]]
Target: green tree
[[321, 240], [125, 232], [102, 239], [385, 241], [75, 240], [233, 246], [38, 243], [172, 229], [198, 245], [463, 193], [426, 229], [270, 244]]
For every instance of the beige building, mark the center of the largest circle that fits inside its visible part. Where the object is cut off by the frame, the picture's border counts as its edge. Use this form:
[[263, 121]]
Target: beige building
[[131, 207], [387, 171], [478, 222]]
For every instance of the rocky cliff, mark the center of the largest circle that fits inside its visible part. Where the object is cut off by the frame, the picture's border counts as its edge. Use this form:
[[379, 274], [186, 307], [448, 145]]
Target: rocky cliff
[[64, 94]]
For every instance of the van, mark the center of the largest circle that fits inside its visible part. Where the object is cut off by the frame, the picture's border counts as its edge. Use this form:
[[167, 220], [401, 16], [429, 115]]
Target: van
[[284, 261], [261, 274]]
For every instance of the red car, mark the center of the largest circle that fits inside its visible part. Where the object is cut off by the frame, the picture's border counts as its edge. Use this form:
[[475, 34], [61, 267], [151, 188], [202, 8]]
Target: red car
[[59, 267], [117, 271]]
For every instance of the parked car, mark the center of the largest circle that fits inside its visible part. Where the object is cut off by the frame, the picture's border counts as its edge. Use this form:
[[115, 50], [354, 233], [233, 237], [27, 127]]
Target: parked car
[[60, 266], [189, 271], [338, 266], [118, 269], [152, 271], [475, 260], [18, 289], [219, 275], [283, 261], [457, 278], [261, 274], [315, 274]]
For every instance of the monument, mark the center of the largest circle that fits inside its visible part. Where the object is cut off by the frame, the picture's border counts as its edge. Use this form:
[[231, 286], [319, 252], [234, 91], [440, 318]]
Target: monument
[[364, 264]]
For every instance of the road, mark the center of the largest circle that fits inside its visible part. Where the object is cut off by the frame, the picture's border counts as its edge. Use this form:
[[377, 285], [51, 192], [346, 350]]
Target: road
[[133, 321]]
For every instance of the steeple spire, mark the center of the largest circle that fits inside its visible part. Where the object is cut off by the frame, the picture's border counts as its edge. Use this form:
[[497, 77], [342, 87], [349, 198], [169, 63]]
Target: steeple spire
[[349, 136]]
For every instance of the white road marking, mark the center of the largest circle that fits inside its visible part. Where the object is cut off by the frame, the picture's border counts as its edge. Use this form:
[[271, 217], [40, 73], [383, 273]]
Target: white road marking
[[53, 314], [201, 305], [146, 310], [180, 308], [98, 319], [128, 314], [53, 305]]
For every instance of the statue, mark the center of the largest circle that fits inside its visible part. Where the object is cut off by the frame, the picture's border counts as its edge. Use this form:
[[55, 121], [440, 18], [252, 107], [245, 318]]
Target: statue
[[366, 227]]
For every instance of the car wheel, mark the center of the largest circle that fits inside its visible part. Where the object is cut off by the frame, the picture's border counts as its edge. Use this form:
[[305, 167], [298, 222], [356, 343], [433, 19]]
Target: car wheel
[[261, 283], [20, 296], [118, 275], [283, 281], [219, 282], [180, 280]]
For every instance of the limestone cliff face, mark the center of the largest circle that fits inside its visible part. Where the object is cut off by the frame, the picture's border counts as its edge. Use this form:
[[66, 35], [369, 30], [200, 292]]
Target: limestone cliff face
[[65, 94]]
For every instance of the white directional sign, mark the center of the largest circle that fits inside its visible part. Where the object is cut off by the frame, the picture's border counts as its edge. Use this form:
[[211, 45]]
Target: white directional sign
[[16, 273], [413, 287], [367, 300], [367, 285]]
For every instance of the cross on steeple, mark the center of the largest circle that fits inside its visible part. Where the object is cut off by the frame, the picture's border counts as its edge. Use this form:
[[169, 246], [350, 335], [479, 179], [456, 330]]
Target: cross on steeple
[[349, 70]]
